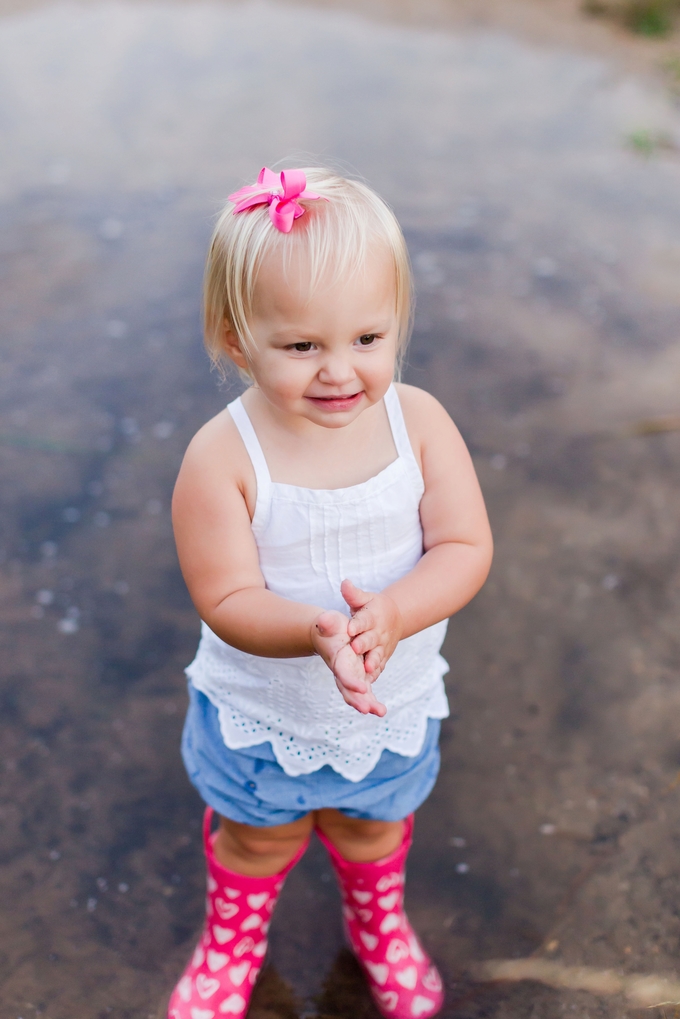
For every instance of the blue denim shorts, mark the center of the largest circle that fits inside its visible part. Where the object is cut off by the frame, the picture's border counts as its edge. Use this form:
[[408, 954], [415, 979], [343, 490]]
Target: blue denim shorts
[[250, 786]]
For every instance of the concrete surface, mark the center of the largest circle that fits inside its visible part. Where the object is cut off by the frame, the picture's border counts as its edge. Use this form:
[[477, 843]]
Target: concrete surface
[[547, 259]]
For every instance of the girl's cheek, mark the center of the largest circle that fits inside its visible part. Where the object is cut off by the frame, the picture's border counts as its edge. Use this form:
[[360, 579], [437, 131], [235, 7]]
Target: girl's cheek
[[287, 379]]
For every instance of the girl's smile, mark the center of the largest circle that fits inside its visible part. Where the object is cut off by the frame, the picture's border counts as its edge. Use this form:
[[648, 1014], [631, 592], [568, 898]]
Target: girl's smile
[[320, 359], [336, 404]]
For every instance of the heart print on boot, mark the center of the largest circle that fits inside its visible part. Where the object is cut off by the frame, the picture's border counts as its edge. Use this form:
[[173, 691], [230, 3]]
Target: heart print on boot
[[219, 979], [403, 981]]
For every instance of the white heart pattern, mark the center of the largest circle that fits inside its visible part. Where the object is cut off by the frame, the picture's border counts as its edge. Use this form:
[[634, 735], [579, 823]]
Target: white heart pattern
[[257, 901], [388, 881], [388, 999], [251, 922], [184, 988], [244, 945], [237, 974], [202, 1013], [369, 940], [212, 884], [362, 897], [378, 971], [231, 893], [396, 951], [206, 986], [260, 949], [364, 915], [222, 934], [197, 957], [390, 923], [432, 981], [420, 1005], [388, 902], [234, 1004], [216, 960], [226, 909], [416, 950], [348, 912], [408, 977]]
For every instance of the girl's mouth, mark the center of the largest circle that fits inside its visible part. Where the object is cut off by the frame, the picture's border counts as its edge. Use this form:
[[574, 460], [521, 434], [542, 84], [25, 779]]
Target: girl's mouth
[[336, 403]]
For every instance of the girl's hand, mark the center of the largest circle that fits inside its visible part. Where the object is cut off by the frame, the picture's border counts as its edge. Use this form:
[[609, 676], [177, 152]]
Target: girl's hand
[[375, 628], [332, 642]]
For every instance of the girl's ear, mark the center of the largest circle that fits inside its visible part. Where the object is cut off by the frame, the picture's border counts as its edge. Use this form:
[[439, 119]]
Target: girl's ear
[[232, 348]]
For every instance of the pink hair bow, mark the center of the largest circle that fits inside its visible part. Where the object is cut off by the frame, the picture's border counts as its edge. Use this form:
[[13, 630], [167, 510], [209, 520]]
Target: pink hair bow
[[280, 191]]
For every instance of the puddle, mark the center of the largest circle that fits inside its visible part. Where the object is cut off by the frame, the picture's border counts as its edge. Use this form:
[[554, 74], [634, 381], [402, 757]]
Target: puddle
[[546, 256]]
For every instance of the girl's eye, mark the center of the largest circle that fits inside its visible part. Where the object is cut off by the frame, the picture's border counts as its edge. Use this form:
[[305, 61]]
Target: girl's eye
[[302, 347], [367, 339]]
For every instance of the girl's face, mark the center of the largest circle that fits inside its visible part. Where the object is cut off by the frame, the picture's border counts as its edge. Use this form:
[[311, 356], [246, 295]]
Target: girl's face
[[325, 357]]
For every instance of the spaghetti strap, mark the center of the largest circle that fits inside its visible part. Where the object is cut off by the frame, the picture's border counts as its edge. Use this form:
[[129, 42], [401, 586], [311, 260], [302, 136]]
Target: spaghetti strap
[[239, 416], [399, 433]]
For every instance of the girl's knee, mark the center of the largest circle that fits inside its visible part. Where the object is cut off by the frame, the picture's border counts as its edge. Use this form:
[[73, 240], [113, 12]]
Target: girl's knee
[[360, 839], [359, 827], [265, 842]]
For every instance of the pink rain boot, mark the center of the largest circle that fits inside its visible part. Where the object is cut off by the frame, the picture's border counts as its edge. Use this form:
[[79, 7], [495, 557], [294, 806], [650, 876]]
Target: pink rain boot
[[219, 980], [403, 981]]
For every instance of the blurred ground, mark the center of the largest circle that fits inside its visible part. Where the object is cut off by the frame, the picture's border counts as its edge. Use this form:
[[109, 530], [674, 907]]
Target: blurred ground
[[545, 245]]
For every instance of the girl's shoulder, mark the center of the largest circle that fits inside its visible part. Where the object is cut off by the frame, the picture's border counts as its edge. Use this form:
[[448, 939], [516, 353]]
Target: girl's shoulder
[[426, 419], [217, 439], [216, 458], [417, 401]]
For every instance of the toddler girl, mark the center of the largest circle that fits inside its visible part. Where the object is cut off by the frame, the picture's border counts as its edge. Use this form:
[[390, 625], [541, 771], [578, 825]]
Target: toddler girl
[[328, 522]]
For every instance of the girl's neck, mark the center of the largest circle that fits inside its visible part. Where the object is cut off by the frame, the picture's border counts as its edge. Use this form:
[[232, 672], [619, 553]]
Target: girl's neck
[[311, 456]]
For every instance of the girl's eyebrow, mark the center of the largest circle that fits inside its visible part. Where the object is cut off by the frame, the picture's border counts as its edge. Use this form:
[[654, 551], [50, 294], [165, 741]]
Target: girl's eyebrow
[[281, 334], [302, 334]]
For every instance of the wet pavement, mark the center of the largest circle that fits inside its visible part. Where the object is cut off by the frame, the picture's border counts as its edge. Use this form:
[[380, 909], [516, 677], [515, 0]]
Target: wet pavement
[[547, 260]]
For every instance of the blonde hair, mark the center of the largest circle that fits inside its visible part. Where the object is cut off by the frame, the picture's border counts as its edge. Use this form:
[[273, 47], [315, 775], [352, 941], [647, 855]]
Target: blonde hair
[[335, 236]]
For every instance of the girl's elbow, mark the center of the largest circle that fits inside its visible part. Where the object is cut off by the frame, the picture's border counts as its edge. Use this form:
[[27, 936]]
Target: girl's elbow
[[486, 559], [485, 569]]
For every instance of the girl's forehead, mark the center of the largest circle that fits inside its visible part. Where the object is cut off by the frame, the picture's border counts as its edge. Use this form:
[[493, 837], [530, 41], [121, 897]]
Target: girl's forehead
[[290, 283]]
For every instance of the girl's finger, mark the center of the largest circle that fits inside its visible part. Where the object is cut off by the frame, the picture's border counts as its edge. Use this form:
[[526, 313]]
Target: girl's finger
[[377, 708], [363, 620], [373, 662], [350, 682], [329, 624], [365, 642], [370, 705], [364, 703], [359, 703], [354, 596], [349, 672]]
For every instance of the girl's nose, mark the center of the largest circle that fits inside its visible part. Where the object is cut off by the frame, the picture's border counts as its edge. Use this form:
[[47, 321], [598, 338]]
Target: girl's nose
[[336, 371]]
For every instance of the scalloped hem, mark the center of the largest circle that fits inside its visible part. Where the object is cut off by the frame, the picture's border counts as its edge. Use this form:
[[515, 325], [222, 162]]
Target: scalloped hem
[[351, 770]]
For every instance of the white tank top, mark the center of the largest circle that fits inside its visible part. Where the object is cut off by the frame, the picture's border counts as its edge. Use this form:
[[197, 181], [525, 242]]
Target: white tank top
[[308, 541]]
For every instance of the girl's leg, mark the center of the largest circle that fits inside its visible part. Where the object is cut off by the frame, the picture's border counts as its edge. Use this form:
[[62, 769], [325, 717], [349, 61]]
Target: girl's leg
[[260, 852], [357, 840], [369, 858], [246, 870]]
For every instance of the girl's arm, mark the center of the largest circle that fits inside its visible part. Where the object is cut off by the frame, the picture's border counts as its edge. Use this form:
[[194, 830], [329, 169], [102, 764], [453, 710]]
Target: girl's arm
[[456, 538], [212, 506]]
